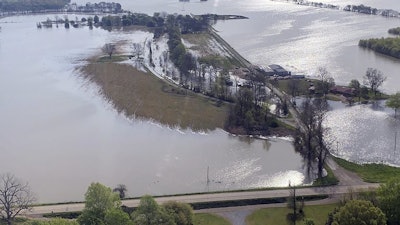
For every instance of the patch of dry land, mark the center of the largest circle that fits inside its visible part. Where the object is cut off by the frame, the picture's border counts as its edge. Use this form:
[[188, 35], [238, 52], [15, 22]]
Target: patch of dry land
[[143, 95]]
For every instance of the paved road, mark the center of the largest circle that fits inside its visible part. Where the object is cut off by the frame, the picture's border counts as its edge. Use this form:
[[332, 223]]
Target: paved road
[[336, 190]]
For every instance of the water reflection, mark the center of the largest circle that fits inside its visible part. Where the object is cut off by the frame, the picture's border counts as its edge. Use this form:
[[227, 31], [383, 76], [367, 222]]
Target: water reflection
[[364, 133]]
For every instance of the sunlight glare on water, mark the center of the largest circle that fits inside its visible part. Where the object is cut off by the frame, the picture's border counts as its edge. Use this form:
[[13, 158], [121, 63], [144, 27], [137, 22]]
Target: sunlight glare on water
[[362, 134]]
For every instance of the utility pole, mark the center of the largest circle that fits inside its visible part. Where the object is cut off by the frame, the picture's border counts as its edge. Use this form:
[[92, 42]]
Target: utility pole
[[395, 142], [208, 179]]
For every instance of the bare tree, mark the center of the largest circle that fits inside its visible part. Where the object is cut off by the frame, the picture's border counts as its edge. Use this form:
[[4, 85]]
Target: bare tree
[[374, 79], [326, 80], [309, 138], [121, 190], [137, 51], [109, 49], [15, 197], [294, 87]]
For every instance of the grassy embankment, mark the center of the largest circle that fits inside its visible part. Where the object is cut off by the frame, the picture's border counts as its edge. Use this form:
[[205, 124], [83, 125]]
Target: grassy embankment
[[209, 219], [143, 95], [373, 173], [199, 219], [277, 216]]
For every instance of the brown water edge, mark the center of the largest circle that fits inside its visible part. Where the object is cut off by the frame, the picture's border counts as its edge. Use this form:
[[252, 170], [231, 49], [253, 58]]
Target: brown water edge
[[143, 95]]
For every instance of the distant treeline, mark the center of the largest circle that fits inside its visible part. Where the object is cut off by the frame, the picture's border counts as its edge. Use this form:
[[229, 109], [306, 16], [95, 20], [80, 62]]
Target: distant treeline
[[361, 9], [31, 5], [387, 46]]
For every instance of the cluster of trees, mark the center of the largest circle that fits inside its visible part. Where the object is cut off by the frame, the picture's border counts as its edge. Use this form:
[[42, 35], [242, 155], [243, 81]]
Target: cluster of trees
[[183, 60], [372, 81], [139, 19], [103, 207], [361, 9], [371, 208], [395, 31], [309, 138], [387, 46], [248, 115], [32, 5]]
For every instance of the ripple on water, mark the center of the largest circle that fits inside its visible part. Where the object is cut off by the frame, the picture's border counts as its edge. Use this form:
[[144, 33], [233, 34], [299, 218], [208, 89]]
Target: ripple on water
[[362, 134]]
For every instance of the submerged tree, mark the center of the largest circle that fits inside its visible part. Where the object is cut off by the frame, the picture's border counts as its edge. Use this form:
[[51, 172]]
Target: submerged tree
[[109, 49], [137, 51], [15, 197], [394, 103], [309, 137]]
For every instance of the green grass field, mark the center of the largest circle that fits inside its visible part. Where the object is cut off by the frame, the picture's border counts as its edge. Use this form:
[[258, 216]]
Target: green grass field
[[277, 216], [374, 173], [209, 219]]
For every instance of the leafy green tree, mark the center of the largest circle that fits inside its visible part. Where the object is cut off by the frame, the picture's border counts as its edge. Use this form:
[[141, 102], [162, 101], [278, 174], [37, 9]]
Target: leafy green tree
[[150, 213], [389, 201], [394, 103], [374, 79], [359, 212], [357, 87], [99, 199], [117, 216], [181, 213]]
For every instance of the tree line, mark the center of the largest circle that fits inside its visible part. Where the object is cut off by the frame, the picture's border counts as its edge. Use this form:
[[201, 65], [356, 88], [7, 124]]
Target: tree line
[[32, 5], [388, 46], [103, 206]]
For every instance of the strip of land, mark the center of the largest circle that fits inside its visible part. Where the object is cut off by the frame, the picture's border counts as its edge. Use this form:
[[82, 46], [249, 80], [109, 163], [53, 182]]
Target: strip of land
[[143, 95]]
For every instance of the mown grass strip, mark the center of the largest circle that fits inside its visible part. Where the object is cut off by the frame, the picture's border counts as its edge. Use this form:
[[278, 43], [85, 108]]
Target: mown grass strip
[[277, 216], [373, 173], [209, 219]]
